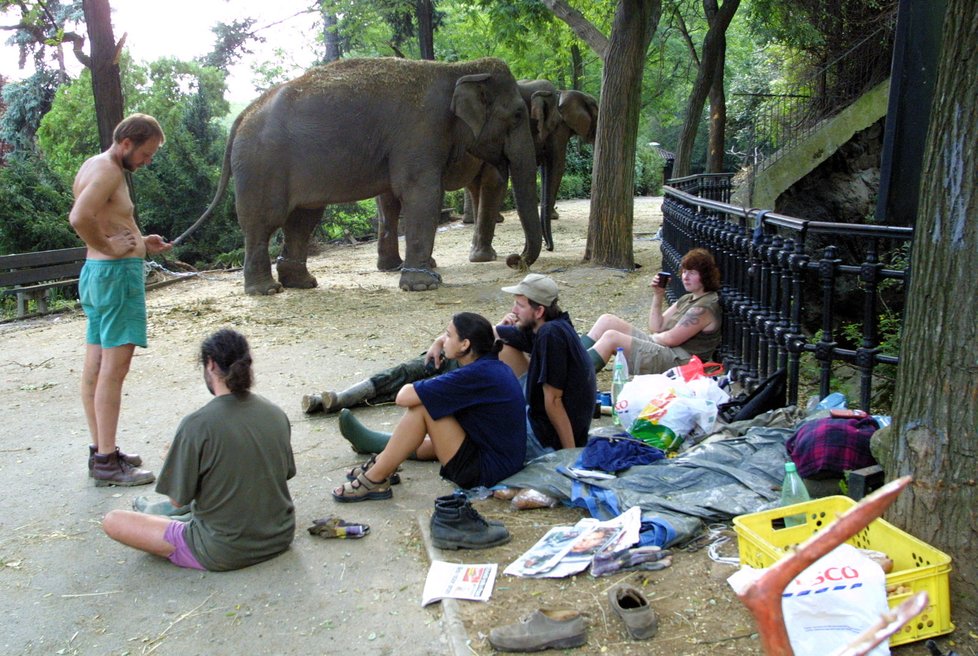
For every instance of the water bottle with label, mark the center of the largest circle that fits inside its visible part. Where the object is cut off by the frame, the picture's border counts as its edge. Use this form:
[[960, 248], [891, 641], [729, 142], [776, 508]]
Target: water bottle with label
[[793, 491], [619, 377]]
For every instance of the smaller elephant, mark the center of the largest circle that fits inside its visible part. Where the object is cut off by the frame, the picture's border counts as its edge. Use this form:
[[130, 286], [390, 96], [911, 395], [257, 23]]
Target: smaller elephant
[[555, 116]]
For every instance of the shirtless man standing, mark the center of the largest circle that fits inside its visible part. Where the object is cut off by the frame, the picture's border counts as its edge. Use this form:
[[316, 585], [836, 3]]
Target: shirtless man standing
[[112, 290]]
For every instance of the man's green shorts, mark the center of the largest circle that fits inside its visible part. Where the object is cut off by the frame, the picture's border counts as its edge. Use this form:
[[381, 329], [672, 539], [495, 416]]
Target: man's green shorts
[[113, 295]]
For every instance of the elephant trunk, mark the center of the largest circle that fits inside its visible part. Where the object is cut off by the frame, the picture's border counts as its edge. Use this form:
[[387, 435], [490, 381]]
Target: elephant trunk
[[524, 181]]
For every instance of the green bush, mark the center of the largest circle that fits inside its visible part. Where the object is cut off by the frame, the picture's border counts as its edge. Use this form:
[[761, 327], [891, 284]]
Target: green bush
[[574, 186], [349, 219], [34, 211], [648, 171]]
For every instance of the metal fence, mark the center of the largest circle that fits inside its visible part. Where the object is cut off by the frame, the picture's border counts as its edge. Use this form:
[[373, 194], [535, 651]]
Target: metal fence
[[781, 275]]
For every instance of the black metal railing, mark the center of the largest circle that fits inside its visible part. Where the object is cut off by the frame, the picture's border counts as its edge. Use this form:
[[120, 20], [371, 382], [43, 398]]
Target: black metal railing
[[715, 186], [780, 275]]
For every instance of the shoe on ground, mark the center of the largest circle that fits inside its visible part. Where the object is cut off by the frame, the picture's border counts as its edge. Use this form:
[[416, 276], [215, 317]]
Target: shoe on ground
[[632, 606], [460, 526], [457, 500], [112, 469], [132, 458], [541, 629]]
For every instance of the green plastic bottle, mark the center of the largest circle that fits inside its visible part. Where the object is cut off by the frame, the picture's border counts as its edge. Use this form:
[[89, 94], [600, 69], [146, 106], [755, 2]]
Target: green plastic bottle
[[793, 491]]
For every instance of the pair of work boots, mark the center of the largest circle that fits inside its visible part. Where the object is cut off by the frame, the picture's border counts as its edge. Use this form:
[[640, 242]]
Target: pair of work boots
[[455, 524], [117, 468]]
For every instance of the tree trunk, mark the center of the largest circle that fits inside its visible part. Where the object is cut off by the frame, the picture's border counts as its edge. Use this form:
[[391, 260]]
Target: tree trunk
[[426, 29], [106, 79], [609, 239], [718, 116], [934, 435], [719, 18], [577, 67], [331, 40]]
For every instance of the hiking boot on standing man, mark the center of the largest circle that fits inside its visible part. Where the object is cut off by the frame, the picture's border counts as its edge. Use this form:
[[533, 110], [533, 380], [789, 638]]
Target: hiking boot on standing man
[[112, 289]]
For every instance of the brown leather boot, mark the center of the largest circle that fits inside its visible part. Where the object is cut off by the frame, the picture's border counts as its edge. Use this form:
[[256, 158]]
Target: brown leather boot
[[132, 458], [111, 469]]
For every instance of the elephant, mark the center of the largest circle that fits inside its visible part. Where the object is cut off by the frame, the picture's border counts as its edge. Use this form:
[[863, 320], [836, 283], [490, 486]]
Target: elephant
[[555, 116], [401, 130]]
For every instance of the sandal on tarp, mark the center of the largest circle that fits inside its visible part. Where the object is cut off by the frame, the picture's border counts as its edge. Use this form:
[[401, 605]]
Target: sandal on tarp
[[351, 475], [363, 489]]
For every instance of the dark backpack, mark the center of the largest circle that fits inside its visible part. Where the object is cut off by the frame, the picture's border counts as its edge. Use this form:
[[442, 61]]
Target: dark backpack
[[770, 393]]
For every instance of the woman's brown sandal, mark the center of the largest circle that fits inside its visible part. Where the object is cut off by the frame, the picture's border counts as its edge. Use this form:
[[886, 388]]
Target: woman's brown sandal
[[363, 489], [351, 475]]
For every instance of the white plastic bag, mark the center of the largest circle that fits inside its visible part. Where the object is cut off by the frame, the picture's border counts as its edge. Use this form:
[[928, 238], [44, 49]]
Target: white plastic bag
[[833, 601], [637, 393]]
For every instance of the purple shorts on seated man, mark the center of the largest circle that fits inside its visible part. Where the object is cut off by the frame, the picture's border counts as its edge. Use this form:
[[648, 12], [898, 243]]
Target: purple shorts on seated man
[[181, 556]]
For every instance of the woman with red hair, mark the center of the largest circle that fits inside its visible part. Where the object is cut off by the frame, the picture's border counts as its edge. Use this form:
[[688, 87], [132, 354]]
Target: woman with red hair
[[688, 327]]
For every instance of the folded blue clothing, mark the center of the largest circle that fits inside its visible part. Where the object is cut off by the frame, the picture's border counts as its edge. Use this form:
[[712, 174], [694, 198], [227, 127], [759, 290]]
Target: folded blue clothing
[[615, 453]]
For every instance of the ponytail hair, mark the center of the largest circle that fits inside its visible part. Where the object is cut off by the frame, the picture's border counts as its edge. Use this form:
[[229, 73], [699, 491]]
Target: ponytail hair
[[229, 351], [477, 329]]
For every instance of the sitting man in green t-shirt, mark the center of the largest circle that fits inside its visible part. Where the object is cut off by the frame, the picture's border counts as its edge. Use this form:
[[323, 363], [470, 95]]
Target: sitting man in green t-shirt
[[229, 462]]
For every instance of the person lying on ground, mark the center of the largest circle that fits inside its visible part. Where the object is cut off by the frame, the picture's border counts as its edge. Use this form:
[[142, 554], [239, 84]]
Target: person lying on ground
[[471, 419], [229, 461], [543, 342], [690, 326]]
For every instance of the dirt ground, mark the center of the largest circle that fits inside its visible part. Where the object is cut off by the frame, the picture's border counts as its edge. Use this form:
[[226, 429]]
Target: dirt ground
[[67, 589]]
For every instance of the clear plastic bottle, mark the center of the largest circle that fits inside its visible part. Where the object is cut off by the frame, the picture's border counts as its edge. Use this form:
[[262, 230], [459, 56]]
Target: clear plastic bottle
[[619, 377], [793, 491]]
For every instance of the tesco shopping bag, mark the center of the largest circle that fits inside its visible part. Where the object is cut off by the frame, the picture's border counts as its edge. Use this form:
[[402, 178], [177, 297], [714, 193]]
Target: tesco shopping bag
[[831, 603]]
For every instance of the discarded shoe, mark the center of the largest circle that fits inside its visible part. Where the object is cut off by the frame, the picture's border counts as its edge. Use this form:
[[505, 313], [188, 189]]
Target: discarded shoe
[[164, 507], [113, 469], [541, 629], [632, 606], [334, 527], [455, 524], [644, 558], [132, 458], [363, 489]]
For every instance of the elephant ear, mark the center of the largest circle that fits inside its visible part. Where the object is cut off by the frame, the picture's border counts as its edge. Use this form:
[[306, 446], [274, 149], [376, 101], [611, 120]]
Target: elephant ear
[[580, 112], [470, 102], [543, 109]]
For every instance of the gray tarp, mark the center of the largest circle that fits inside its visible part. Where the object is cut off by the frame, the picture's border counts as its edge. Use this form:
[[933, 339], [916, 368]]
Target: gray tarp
[[714, 481]]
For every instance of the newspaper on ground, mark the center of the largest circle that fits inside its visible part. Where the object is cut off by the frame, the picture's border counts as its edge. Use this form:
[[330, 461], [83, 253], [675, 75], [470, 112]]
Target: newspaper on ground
[[567, 550], [458, 581]]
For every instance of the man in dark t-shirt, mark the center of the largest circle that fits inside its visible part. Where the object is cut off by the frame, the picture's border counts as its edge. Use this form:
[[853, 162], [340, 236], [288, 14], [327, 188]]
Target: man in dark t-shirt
[[543, 346]]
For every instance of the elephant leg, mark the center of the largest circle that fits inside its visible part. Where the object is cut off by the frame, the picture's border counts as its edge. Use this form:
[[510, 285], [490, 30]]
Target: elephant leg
[[257, 264], [491, 190], [469, 205], [388, 255], [291, 264], [420, 212]]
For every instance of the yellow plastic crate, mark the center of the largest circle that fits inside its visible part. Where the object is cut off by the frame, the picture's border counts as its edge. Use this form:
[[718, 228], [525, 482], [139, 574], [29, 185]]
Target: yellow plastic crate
[[917, 566]]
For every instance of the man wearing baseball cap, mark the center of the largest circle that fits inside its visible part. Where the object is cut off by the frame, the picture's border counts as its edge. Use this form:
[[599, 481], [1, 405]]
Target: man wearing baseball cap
[[543, 347]]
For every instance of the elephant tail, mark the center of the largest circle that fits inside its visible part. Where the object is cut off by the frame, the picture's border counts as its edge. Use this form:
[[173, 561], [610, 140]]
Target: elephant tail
[[222, 186]]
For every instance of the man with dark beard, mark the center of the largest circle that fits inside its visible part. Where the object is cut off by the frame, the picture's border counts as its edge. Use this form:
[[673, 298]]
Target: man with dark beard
[[112, 290]]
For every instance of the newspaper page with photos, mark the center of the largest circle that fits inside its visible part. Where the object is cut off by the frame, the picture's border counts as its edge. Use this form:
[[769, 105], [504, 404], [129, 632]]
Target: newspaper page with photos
[[458, 581], [567, 550]]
